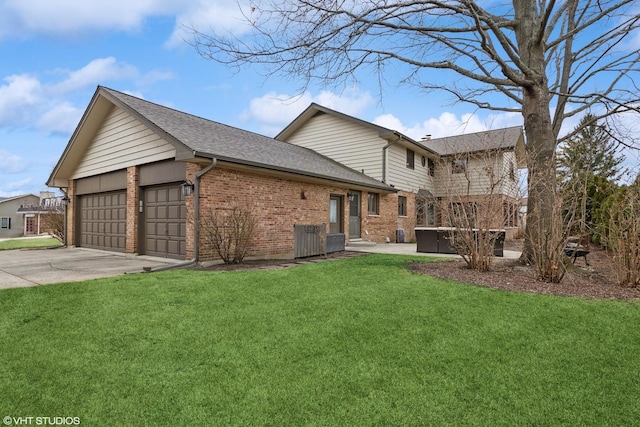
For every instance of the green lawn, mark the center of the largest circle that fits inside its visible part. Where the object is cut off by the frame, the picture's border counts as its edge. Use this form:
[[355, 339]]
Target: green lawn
[[40, 242], [340, 343]]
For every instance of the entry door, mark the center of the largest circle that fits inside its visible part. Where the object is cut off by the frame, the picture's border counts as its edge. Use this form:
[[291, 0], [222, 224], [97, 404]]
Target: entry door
[[30, 225], [354, 215]]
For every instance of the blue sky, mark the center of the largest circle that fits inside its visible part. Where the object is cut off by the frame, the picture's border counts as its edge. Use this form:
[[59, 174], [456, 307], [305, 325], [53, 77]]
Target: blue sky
[[54, 54]]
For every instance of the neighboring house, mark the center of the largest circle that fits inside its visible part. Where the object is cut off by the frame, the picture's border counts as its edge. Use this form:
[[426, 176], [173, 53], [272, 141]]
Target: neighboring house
[[13, 223], [432, 176], [35, 215], [140, 178]]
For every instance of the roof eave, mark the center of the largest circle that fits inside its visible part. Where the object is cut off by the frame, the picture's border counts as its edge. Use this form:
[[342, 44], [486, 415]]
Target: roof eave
[[232, 161]]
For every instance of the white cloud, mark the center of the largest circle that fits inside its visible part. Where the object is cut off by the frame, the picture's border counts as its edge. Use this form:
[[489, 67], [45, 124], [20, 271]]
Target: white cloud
[[61, 118], [97, 71], [26, 101], [20, 18], [448, 124], [16, 188], [275, 110], [10, 163], [19, 94], [219, 16]]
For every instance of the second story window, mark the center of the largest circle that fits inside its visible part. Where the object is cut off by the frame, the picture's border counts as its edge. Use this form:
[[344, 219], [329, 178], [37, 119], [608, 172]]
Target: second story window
[[411, 159], [458, 165], [432, 167]]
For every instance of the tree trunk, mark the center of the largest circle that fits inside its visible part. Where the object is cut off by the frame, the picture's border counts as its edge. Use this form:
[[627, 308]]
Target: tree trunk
[[541, 142], [541, 203]]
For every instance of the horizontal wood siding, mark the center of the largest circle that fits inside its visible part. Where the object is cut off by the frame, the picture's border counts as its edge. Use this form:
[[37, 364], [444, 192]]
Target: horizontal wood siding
[[348, 143], [475, 182], [404, 178], [510, 186], [122, 141]]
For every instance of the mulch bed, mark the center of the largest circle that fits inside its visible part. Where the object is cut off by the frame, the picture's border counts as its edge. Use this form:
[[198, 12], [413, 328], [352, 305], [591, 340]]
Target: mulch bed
[[598, 280]]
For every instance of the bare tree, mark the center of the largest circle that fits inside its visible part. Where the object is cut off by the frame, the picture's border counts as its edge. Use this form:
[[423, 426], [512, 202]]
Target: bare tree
[[229, 231], [550, 60], [623, 237], [53, 223]]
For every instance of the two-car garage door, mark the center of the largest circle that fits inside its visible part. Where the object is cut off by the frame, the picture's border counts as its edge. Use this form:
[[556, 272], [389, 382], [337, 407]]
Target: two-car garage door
[[103, 221]]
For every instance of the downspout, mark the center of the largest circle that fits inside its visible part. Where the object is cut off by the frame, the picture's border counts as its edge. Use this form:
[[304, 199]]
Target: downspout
[[384, 157], [196, 221], [196, 209]]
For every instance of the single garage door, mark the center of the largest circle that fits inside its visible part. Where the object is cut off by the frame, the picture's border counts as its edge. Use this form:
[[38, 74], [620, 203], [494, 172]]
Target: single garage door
[[165, 221], [103, 221]]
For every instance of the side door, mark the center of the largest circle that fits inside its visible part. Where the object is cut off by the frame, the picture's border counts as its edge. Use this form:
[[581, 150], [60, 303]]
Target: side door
[[354, 214]]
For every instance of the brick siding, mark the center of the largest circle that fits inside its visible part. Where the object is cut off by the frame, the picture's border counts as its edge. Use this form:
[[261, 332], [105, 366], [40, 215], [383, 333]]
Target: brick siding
[[133, 198], [278, 203]]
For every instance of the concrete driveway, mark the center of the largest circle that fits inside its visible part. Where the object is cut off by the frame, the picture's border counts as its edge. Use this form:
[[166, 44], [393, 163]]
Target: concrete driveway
[[20, 268]]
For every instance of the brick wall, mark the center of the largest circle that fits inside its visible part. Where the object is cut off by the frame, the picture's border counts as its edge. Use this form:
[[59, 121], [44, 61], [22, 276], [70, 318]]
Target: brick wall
[[379, 228], [408, 222], [278, 203]]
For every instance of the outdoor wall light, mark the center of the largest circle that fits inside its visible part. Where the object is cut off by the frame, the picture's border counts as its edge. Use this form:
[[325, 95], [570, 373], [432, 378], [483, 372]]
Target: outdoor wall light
[[187, 188]]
